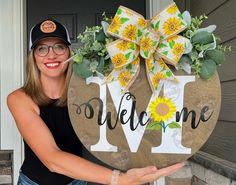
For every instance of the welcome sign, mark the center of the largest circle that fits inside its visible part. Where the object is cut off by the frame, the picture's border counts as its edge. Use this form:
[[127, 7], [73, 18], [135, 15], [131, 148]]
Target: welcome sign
[[113, 125], [145, 112]]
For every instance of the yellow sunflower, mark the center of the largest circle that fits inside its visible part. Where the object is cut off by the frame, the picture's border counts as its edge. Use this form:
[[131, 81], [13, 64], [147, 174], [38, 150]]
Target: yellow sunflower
[[115, 24], [136, 61], [149, 63], [178, 49], [118, 60], [162, 109], [156, 78], [161, 63], [128, 12], [177, 58], [146, 44], [171, 26], [130, 32], [124, 77], [171, 38], [172, 9], [142, 23], [123, 46]]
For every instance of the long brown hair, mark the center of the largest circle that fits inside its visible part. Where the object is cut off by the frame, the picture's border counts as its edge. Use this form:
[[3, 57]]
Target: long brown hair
[[33, 86]]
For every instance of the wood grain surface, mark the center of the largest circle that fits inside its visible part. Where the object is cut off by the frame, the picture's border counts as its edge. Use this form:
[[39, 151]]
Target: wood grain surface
[[197, 95]]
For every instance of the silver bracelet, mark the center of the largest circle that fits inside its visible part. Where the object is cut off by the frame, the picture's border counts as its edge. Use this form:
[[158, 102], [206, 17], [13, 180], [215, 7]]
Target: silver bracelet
[[114, 177]]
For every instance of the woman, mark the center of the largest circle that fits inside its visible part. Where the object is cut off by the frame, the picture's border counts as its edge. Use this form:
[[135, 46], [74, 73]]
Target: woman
[[52, 149]]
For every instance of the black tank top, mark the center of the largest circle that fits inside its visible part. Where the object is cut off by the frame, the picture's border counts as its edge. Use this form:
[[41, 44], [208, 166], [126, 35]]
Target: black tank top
[[57, 120]]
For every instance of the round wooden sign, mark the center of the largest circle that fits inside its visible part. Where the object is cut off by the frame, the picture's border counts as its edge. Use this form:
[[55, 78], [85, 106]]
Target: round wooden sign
[[116, 127]]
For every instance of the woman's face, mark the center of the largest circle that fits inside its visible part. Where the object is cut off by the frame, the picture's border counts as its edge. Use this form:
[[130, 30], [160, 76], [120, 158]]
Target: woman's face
[[50, 54]]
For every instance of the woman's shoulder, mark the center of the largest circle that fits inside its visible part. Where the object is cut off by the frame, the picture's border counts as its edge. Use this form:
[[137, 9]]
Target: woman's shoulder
[[18, 95], [19, 98]]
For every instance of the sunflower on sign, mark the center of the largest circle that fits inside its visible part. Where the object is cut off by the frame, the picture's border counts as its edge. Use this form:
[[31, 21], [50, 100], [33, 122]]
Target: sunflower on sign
[[162, 109]]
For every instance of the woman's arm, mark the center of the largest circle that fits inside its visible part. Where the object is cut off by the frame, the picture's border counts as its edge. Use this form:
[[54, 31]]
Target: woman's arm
[[39, 138]]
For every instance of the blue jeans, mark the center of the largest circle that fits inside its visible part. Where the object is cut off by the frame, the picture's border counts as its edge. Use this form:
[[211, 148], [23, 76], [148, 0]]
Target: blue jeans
[[24, 180]]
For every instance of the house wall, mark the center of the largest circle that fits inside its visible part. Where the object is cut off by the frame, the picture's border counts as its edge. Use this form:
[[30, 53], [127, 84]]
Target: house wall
[[222, 13]]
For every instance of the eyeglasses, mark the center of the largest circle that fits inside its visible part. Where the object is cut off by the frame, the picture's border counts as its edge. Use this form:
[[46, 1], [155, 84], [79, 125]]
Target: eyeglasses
[[42, 50]]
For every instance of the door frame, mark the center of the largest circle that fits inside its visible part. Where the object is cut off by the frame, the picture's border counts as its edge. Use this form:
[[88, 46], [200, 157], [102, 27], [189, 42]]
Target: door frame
[[12, 57]]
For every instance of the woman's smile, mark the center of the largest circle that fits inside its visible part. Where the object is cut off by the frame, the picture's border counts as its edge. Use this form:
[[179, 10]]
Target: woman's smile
[[52, 65]]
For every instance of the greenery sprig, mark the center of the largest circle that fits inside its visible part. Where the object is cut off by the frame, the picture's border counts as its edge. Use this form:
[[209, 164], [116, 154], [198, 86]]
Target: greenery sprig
[[206, 54], [92, 57]]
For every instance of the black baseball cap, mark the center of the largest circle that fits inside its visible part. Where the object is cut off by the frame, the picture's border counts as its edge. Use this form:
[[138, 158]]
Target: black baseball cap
[[48, 28]]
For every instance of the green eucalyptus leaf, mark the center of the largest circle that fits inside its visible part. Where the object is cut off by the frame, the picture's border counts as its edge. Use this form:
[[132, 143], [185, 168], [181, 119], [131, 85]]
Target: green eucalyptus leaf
[[78, 58], [185, 58], [100, 36], [187, 17], [202, 38], [205, 47], [96, 46], [105, 26], [101, 64], [193, 55], [93, 65], [208, 69], [209, 29], [217, 55], [82, 69]]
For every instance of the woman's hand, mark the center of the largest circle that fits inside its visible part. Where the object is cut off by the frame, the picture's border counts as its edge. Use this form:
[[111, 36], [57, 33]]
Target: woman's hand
[[137, 176]]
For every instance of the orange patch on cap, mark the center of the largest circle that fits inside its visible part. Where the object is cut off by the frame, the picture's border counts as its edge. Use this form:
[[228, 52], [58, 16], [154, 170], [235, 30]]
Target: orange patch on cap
[[48, 26]]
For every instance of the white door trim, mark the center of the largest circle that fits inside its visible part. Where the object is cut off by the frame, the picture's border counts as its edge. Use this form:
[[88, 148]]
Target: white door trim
[[155, 6], [12, 57]]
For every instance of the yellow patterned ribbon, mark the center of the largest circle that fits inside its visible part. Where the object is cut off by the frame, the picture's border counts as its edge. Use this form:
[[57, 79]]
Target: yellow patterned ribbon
[[155, 40]]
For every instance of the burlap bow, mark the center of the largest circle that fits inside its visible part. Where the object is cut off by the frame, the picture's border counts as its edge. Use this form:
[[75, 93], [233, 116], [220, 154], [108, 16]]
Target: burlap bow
[[155, 40]]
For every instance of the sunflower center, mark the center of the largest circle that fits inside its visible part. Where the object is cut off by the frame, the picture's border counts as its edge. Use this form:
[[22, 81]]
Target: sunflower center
[[119, 61], [126, 79], [145, 44], [162, 109], [172, 27], [179, 49], [130, 33]]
